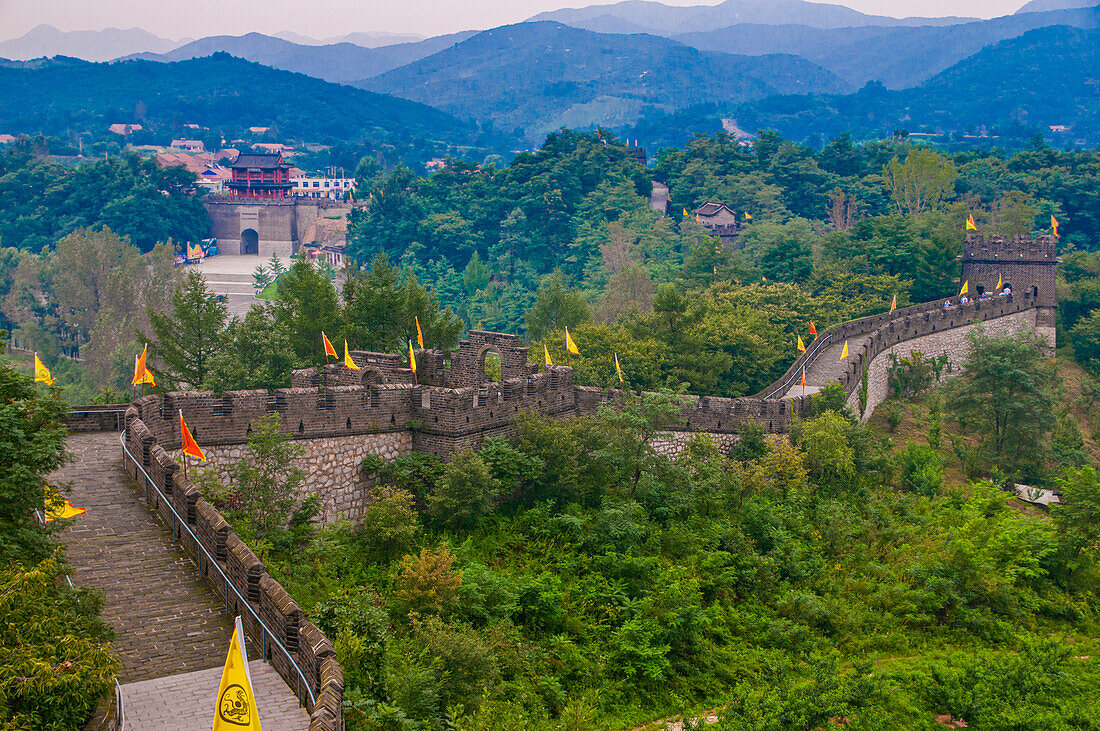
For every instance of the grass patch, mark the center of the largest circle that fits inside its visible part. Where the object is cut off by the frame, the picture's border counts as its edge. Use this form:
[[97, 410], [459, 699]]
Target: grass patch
[[269, 292]]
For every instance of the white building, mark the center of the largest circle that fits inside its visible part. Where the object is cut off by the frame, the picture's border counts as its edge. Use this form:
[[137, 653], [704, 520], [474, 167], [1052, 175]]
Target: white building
[[309, 187]]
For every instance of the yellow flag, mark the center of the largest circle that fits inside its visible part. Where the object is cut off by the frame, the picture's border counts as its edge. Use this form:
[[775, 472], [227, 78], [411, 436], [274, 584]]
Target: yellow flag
[[618, 368], [41, 372], [348, 362], [1054, 225], [685, 213], [236, 707], [844, 353], [60, 507], [801, 345], [748, 216], [894, 303], [1000, 283], [546, 352], [697, 219], [412, 358], [419, 333], [965, 288], [570, 345], [970, 225]]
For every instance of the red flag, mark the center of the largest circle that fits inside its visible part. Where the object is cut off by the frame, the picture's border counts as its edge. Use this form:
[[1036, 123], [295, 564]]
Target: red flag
[[803, 381], [190, 447], [813, 330]]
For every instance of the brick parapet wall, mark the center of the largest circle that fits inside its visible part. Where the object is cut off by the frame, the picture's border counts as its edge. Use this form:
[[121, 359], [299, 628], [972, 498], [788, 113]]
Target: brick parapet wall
[[952, 342], [247, 582]]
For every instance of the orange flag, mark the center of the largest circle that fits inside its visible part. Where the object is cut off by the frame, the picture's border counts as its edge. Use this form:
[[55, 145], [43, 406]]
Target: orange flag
[[412, 358], [329, 350], [419, 333], [803, 381], [190, 447], [141, 373], [813, 330], [970, 225], [1054, 225], [894, 303]]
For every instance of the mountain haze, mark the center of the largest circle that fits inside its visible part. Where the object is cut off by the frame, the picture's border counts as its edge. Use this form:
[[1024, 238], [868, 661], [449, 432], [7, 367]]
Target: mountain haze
[[541, 76], [1048, 76], [900, 57], [339, 63], [669, 20], [90, 45]]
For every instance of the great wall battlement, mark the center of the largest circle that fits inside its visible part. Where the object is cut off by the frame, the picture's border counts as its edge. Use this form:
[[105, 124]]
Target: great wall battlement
[[341, 415]]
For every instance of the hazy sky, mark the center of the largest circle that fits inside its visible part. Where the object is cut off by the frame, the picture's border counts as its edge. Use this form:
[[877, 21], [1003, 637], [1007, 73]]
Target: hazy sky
[[325, 18]]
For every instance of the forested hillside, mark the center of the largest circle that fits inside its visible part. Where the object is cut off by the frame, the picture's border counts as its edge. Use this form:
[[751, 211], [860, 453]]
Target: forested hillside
[[66, 97], [538, 77], [339, 63], [1017, 87]]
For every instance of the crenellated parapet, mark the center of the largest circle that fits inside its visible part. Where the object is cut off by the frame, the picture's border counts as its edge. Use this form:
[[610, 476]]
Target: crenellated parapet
[[1023, 264]]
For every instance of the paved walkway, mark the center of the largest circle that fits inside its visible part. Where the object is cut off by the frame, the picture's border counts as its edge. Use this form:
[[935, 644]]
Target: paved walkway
[[827, 368], [186, 702], [168, 622]]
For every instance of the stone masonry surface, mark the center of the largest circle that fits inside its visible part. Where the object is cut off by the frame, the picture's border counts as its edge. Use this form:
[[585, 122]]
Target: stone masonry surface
[[186, 702], [953, 343], [331, 465], [166, 620], [172, 634]]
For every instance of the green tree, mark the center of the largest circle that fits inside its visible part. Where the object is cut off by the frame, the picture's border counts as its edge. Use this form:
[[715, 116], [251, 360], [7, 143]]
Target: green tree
[[921, 182], [32, 444], [267, 485], [1007, 392], [255, 353], [556, 307], [305, 306], [464, 492], [186, 340], [55, 658], [1078, 518]]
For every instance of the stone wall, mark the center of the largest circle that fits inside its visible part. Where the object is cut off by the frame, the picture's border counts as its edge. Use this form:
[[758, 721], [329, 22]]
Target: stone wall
[[331, 465], [953, 343], [671, 443]]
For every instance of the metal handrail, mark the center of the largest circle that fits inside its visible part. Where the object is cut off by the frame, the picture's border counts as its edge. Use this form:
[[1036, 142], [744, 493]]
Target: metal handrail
[[117, 412], [811, 357], [120, 707], [302, 680]]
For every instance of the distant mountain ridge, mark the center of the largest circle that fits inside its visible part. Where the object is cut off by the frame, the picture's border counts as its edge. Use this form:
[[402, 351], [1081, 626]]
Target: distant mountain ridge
[[1048, 76], [90, 45], [669, 20], [225, 94], [900, 57], [339, 63], [540, 76]]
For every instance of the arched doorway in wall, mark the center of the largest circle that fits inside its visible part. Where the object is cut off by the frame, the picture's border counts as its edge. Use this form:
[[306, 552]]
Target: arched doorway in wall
[[250, 241], [370, 376], [489, 364], [1035, 291]]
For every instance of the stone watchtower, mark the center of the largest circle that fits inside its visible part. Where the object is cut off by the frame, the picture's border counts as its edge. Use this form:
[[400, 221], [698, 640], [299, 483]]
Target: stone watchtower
[[1025, 264]]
